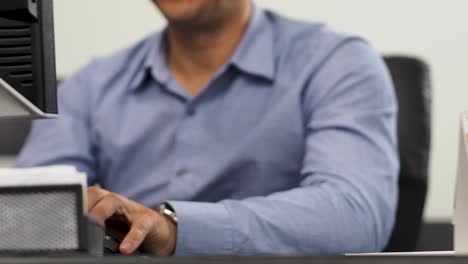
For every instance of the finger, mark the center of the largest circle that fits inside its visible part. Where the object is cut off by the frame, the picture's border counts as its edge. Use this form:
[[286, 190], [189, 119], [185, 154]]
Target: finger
[[138, 232], [95, 194], [109, 205]]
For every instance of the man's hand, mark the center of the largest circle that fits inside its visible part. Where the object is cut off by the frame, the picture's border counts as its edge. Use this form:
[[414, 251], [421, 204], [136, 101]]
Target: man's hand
[[149, 231]]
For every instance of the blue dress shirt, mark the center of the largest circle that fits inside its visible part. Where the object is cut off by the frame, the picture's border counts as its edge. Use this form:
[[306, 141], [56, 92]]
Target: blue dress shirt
[[289, 149]]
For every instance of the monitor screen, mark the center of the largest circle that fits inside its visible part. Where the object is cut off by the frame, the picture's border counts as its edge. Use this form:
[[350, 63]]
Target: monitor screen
[[27, 59]]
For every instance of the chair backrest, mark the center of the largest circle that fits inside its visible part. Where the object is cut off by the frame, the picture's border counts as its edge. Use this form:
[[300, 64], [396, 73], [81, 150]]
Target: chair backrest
[[412, 83]]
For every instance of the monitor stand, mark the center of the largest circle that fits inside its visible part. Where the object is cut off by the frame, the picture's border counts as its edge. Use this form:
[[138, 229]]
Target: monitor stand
[[13, 104]]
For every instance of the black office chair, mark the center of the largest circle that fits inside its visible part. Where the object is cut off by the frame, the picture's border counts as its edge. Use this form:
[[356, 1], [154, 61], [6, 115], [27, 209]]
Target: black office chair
[[413, 89]]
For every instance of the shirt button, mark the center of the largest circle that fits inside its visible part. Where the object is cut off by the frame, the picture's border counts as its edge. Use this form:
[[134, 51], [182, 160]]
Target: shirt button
[[190, 111], [181, 172]]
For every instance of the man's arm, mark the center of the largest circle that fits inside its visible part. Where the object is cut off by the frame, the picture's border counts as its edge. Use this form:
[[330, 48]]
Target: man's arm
[[67, 139], [347, 196]]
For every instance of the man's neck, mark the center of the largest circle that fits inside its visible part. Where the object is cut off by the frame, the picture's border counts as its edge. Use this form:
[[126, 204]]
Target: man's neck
[[196, 55]]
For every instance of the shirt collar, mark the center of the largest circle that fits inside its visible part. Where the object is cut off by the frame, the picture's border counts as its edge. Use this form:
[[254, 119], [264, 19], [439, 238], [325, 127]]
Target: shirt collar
[[254, 55], [154, 64]]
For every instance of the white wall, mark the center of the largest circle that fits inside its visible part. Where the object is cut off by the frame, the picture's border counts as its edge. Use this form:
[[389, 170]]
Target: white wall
[[432, 29]]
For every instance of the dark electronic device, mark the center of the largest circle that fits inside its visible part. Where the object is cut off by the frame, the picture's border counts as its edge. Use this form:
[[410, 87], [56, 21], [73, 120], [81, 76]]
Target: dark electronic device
[[27, 59], [45, 219], [115, 233]]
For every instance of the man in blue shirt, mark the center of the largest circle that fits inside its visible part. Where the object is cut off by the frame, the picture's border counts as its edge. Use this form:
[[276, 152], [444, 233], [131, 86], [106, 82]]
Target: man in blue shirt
[[264, 135]]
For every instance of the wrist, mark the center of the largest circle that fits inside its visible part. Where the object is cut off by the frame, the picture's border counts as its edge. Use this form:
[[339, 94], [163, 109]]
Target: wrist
[[172, 238], [170, 219]]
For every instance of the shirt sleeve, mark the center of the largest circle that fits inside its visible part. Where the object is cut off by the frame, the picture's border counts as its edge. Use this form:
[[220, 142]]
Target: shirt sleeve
[[66, 140], [346, 199]]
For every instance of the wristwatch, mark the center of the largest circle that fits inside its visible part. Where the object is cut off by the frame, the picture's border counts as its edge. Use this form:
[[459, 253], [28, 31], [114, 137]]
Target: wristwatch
[[167, 211]]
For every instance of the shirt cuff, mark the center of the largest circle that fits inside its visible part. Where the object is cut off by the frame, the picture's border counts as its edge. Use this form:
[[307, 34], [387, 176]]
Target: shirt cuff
[[203, 229]]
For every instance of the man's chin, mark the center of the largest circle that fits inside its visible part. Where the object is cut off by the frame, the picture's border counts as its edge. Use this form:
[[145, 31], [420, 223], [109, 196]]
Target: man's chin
[[180, 23], [190, 23]]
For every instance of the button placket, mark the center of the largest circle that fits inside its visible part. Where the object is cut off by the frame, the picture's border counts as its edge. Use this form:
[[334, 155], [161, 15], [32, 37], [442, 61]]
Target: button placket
[[180, 169], [190, 110], [181, 172]]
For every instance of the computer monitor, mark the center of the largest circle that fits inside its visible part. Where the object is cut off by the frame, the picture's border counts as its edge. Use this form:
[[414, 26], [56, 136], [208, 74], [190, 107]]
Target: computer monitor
[[27, 59]]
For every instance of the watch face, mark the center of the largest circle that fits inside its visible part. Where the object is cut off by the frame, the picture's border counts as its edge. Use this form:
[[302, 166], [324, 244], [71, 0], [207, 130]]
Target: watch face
[[166, 206], [167, 210]]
